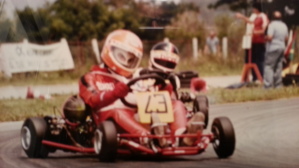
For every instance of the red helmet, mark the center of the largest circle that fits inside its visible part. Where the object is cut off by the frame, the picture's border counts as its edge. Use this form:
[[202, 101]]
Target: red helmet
[[164, 56], [122, 52]]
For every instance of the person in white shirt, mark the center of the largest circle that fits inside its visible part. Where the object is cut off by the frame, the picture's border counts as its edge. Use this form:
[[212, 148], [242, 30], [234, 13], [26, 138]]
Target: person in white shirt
[[277, 36]]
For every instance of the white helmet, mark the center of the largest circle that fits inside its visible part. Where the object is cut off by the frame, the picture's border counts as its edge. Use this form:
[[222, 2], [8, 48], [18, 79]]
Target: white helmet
[[164, 56]]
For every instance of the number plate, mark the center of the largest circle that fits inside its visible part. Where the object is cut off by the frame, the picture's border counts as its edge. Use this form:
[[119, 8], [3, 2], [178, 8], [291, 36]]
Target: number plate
[[159, 102]]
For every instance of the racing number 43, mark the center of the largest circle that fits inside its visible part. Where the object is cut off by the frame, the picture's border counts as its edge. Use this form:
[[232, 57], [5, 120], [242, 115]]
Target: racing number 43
[[156, 103], [159, 102]]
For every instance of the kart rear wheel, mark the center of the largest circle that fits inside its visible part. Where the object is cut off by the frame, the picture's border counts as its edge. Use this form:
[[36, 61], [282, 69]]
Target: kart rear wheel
[[224, 137], [105, 143], [201, 104], [32, 133]]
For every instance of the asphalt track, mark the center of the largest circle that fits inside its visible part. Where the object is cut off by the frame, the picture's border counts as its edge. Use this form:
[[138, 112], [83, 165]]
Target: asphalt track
[[266, 132]]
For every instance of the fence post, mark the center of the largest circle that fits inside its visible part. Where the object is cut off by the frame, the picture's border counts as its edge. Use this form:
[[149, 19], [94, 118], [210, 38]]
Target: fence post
[[195, 48], [224, 47], [96, 50]]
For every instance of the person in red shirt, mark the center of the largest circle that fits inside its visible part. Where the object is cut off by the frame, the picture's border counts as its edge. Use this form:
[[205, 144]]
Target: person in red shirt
[[102, 87], [256, 27]]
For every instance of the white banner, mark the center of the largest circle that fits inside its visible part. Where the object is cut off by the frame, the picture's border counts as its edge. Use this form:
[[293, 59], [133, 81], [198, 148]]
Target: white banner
[[26, 57]]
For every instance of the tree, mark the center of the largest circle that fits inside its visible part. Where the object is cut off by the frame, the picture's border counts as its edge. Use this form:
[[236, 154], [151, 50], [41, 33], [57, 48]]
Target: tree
[[184, 27], [241, 4], [84, 20], [233, 4], [77, 20], [228, 27], [34, 23], [6, 33], [160, 15], [223, 24]]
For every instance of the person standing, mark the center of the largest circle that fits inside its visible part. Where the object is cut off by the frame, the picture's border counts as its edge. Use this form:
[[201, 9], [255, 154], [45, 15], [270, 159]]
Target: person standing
[[255, 28], [277, 36], [212, 44]]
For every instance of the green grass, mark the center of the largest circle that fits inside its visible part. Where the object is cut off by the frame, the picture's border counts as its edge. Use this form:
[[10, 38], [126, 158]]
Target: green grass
[[251, 94], [19, 109]]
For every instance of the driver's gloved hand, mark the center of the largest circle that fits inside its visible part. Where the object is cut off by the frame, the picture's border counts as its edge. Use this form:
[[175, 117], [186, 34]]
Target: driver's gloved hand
[[121, 90]]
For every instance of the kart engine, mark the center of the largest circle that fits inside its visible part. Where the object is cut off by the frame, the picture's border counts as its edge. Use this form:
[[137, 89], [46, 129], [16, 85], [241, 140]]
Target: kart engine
[[62, 131], [83, 133]]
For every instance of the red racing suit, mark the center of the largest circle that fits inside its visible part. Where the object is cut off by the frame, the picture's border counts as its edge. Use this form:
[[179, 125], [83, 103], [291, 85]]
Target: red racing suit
[[177, 127], [97, 88]]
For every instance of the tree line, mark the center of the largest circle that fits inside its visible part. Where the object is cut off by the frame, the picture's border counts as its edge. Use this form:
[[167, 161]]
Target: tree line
[[83, 20]]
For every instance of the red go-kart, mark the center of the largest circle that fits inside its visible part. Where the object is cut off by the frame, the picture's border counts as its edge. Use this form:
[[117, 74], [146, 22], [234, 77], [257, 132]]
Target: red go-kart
[[43, 135]]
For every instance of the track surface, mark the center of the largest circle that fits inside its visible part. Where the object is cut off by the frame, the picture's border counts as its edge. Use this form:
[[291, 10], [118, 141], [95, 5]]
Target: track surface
[[267, 136]]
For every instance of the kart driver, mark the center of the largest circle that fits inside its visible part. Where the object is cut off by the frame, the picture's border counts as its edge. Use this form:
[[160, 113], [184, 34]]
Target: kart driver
[[104, 85], [164, 56]]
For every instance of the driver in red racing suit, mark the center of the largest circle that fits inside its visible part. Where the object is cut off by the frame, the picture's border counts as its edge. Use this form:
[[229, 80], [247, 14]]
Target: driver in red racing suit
[[102, 88], [164, 56]]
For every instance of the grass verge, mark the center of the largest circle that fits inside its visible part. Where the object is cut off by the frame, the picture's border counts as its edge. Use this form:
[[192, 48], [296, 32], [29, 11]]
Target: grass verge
[[251, 94], [19, 109]]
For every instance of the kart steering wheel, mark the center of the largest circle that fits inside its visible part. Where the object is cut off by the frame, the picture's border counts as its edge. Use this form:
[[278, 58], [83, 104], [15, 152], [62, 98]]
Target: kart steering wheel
[[159, 81]]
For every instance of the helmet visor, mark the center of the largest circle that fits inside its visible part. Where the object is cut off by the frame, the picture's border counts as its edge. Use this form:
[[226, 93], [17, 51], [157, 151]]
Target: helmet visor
[[125, 58], [165, 63]]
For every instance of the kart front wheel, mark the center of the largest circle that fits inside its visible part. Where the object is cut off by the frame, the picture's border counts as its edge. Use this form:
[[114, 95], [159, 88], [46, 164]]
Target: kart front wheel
[[201, 104], [224, 137], [105, 143], [32, 133]]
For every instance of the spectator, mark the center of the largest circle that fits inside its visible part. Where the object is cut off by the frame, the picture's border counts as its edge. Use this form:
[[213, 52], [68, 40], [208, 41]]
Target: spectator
[[212, 44], [277, 36], [256, 26]]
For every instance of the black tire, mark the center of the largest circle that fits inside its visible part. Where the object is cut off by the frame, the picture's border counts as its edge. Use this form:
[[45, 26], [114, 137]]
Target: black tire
[[106, 141], [201, 104], [291, 79], [33, 132], [224, 137]]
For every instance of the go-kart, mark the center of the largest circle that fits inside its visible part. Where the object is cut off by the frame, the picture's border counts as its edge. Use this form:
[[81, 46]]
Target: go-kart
[[43, 135]]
